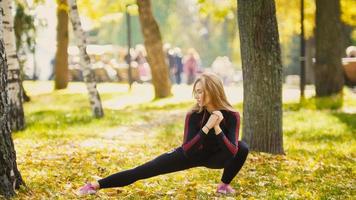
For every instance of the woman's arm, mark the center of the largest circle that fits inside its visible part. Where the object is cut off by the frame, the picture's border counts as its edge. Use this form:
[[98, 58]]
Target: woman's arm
[[193, 134], [229, 139]]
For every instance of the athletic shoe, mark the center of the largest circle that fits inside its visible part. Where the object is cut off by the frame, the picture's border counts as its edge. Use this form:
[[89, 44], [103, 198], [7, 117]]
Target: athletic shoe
[[225, 189], [86, 189]]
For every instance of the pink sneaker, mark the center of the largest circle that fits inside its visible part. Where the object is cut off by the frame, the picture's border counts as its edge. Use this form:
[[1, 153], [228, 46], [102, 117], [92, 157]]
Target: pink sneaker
[[225, 189], [86, 189], [229, 190]]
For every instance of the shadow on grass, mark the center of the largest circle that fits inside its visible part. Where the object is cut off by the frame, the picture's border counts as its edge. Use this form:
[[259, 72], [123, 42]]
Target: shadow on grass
[[296, 106], [319, 137], [151, 106], [58, 124], [340, 128], [53, 119], [169, 106], [349, 119], [80, 116], [323, 138]]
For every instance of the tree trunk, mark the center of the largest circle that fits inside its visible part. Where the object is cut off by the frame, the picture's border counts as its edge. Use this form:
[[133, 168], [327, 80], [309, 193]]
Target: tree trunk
[[329, 79], [153, 45], [61, 60], [309, 64], [85, 61], [10, 177], [262, 76], [347, 37], [16, 118]]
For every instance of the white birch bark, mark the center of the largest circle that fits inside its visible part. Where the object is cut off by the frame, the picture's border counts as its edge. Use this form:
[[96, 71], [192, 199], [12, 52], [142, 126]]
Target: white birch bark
[[10, 177], [17, 118], [85, 60]]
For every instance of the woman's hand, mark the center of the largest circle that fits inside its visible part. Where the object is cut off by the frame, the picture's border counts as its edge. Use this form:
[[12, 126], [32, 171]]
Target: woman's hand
[[212, 121], [220, 117], [216, 125]]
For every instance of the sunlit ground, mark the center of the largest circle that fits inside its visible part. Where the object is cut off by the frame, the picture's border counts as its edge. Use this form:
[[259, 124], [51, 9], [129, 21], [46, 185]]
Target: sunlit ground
[[144, 93], [63, 146]]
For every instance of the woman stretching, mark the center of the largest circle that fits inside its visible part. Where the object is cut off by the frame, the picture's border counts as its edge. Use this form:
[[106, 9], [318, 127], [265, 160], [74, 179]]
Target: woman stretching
[[210, 140]]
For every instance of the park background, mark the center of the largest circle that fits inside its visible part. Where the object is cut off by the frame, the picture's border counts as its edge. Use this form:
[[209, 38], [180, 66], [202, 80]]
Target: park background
[[63, 143]]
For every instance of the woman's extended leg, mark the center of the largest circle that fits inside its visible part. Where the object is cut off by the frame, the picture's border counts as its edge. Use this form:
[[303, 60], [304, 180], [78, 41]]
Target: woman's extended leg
[[165, 163]]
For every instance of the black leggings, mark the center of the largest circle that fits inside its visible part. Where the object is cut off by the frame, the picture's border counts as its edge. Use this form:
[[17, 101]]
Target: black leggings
[[177, 161]]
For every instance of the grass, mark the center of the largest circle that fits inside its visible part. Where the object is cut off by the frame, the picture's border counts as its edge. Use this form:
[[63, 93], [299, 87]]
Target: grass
[[63, 147]]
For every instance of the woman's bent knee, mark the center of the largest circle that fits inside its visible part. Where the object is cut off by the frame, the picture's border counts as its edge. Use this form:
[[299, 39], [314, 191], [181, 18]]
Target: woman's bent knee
[[243, 147]]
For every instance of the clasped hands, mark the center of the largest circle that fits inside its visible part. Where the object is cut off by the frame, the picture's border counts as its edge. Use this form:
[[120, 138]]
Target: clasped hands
[[213, 122]]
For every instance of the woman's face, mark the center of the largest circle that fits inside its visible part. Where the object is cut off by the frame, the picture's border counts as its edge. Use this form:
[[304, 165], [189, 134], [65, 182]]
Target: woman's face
[[202, 99]]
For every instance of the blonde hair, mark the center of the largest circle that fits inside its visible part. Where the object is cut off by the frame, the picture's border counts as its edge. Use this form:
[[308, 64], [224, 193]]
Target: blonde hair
[[212, 86]]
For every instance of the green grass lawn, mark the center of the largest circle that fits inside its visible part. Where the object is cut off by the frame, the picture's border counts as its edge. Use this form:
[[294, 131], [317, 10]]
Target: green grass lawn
[[63, 147]]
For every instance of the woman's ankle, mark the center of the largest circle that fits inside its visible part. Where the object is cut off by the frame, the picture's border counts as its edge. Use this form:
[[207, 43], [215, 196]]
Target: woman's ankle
[[96, 185], [226, 184]]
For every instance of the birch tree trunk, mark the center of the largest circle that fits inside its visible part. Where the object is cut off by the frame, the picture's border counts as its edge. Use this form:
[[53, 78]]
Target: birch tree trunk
[[153, 45], [262, 76], [61, 61], [16, 118], [85, 61], [10, 177]]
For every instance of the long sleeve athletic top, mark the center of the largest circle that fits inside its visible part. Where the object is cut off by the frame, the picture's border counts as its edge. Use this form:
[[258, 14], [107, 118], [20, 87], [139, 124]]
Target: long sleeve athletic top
[[196, 143]]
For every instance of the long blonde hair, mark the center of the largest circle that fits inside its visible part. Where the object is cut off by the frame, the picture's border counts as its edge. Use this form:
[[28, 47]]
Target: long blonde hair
[[212, 86]]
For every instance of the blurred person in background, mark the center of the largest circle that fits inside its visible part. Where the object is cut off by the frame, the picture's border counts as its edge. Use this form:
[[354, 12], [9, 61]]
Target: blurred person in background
[[191, 65]]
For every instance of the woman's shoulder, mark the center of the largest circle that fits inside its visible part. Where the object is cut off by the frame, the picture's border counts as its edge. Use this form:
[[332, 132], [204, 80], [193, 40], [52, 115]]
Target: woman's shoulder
[[191, 113], [193, 116], [230, 113]]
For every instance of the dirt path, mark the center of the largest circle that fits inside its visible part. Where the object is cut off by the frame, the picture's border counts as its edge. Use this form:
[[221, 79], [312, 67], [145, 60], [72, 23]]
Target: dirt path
[[144, 131]]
